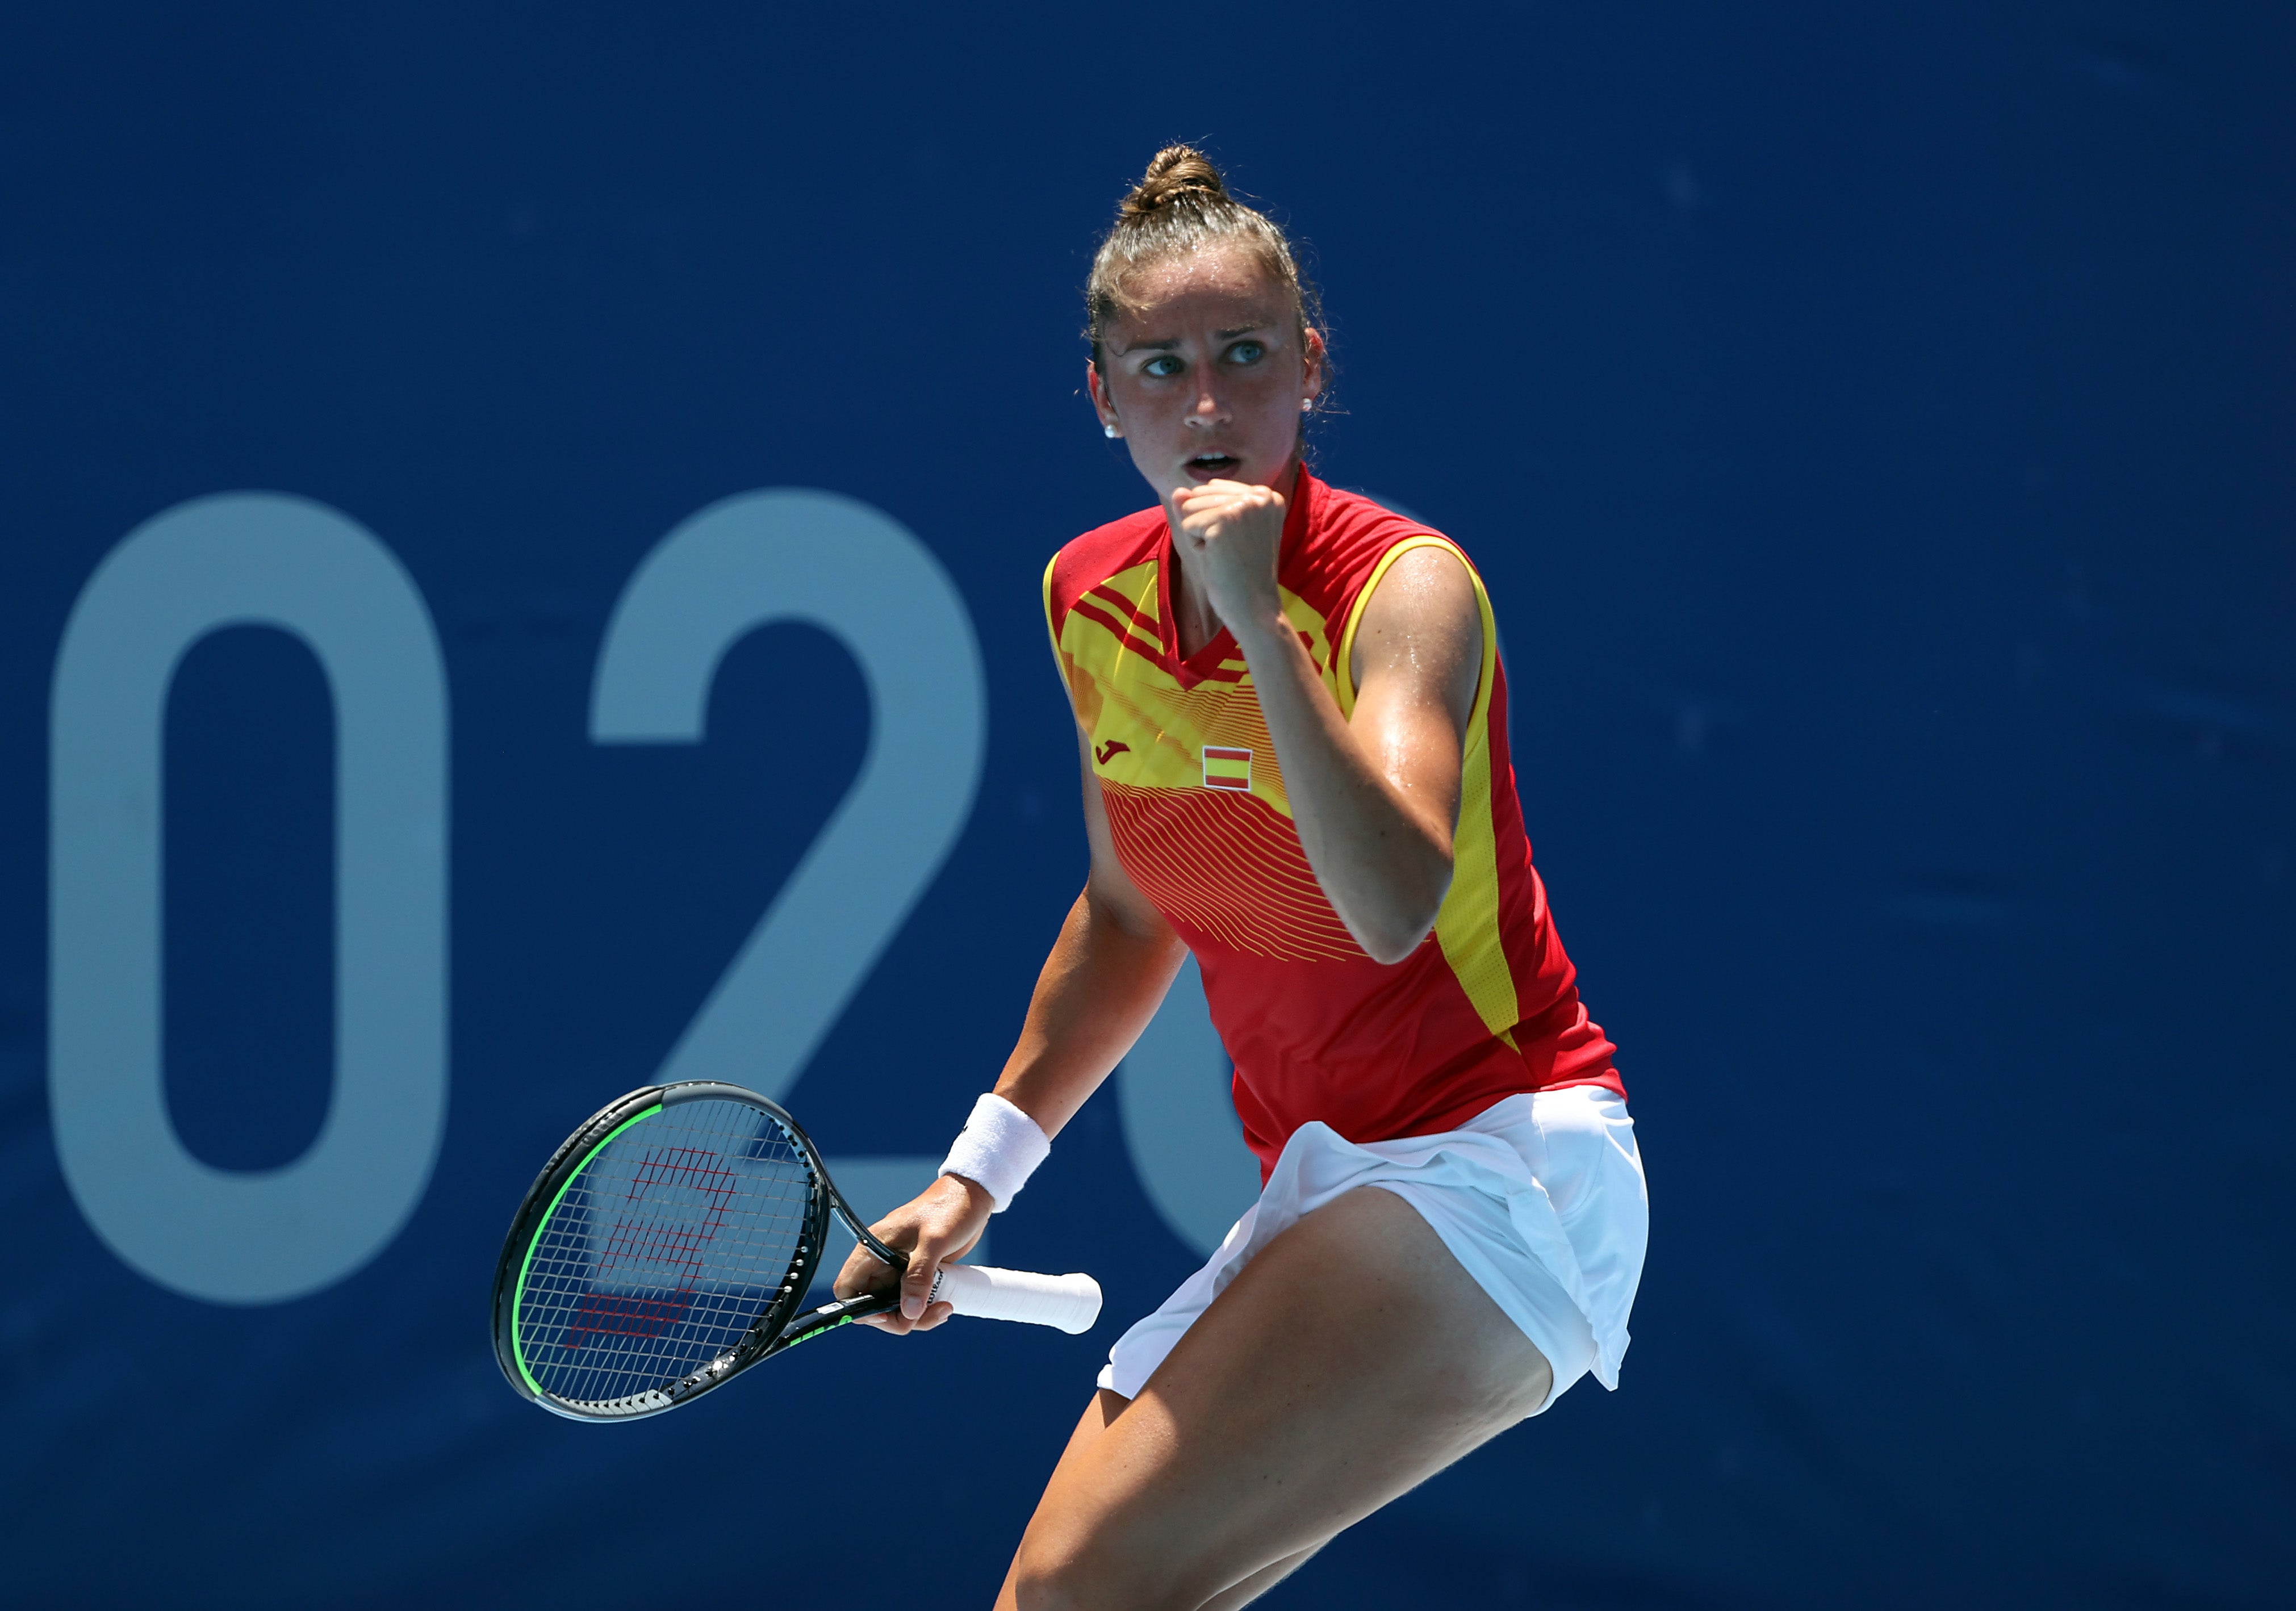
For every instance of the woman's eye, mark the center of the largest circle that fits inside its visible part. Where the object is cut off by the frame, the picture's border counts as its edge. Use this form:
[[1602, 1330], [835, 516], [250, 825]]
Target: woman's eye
[[1160, 366], [1246, 352]]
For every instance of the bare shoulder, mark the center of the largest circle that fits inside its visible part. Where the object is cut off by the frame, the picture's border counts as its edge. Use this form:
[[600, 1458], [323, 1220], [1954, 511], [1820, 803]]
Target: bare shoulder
[[1422, 631], [1427, 590]]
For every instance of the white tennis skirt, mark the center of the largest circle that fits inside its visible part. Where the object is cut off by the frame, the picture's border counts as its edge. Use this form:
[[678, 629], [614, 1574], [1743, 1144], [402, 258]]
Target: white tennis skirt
[[1541, 1197]]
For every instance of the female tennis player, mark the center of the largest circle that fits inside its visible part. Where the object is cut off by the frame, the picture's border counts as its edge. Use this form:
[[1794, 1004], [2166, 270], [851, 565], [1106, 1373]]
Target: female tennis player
[[1291, 719]]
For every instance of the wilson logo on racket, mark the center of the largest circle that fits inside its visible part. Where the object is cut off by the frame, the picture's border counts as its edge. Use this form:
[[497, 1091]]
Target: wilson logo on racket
[[1227, 768], [650, 1264]]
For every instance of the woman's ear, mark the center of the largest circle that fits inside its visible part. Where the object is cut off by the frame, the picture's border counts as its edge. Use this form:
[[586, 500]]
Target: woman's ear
[[1312, 362], [1101, 403]]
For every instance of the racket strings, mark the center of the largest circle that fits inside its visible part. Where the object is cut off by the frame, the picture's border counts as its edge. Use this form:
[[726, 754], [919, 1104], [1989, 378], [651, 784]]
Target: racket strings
[[670, 1242]]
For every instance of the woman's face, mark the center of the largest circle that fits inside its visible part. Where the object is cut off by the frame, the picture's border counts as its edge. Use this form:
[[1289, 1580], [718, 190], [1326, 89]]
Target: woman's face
[[1205, 372]]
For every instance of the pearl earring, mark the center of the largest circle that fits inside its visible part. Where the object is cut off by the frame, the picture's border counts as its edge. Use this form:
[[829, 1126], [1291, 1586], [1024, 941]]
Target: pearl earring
[[1306, 406], [1111, 432]]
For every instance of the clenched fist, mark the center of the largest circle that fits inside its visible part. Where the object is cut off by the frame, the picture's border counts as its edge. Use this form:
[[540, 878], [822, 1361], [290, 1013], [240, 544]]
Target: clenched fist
[[1230, 534]]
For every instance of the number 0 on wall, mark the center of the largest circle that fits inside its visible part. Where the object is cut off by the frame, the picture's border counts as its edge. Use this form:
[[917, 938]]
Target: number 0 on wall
[[253, 1237]]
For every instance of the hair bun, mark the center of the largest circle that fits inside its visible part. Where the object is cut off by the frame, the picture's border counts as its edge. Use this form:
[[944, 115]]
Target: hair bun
[[1177, 173], [1181, 207]]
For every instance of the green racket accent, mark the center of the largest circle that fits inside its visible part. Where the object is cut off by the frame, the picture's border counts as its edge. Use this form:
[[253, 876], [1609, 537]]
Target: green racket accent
[[518, 1299], [809, 1336]]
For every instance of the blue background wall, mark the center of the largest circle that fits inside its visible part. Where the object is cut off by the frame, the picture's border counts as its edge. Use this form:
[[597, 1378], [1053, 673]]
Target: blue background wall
[[1873, 422]]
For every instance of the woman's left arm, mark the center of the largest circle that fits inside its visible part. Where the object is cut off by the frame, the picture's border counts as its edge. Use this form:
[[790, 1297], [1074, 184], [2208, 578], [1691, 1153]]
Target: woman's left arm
[[1375, 798]]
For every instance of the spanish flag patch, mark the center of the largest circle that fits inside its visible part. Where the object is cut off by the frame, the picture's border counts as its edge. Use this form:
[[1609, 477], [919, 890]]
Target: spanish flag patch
[[1227, 768]]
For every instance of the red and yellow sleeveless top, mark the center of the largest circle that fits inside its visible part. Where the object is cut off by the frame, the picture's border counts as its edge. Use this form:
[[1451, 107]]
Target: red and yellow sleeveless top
[[1488, 1006]]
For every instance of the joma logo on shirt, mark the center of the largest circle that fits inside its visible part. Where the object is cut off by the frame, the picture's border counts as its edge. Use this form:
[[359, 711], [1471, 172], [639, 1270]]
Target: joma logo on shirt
[[1227, 768], [1110, 750]]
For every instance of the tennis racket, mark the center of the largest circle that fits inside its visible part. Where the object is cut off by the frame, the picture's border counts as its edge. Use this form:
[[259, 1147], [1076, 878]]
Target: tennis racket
[[666, 1249]]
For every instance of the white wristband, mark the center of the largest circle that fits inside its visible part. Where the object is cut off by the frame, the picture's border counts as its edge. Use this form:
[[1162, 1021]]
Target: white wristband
[[998, 1149]]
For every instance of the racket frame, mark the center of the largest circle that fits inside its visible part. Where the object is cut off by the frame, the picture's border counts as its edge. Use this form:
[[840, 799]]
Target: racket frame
[[779, 1326]]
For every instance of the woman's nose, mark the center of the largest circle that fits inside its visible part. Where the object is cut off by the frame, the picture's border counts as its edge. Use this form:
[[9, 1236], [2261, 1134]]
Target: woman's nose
[[1211, 410]]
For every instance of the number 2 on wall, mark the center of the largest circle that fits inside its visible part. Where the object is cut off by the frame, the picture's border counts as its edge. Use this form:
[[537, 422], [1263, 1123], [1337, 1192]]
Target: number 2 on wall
[[830, 562]]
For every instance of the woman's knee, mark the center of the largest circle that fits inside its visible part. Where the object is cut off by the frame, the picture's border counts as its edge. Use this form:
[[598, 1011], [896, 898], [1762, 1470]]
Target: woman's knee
[[1089, 1578], [1039, 1590]]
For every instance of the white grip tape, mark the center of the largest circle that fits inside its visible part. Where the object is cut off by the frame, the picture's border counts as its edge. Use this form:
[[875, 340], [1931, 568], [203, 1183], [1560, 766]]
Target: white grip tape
[[1066, 1303]]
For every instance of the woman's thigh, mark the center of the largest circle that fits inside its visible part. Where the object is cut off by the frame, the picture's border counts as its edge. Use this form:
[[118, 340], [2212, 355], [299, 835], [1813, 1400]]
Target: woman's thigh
[[1349, 1361]]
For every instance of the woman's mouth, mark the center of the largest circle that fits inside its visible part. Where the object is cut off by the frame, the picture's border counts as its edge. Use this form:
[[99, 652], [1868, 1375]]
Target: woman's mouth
[[1211, 467]]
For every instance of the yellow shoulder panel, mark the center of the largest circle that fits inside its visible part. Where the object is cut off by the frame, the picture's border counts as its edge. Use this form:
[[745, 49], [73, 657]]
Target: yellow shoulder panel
[[1467, 924]]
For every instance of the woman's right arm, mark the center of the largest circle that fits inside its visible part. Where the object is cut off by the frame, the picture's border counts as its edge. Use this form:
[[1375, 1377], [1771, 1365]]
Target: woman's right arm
[[1103, 981]]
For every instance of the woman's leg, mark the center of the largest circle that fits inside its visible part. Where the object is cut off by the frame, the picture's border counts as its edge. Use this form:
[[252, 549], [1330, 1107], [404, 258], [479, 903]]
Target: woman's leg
[[1349, 1361], [1098, 1416]]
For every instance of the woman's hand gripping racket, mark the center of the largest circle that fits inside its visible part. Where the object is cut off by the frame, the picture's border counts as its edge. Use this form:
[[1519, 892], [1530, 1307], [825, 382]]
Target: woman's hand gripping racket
[[667, 1246]]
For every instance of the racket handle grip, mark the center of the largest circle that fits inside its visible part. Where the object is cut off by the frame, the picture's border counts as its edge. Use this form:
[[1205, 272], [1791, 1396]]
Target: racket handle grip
[[1066, 1303]]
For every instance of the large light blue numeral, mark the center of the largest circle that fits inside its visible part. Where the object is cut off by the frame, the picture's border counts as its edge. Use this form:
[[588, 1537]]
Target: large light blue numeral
[[1179, 1119], [830, 562], [272, 560]]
